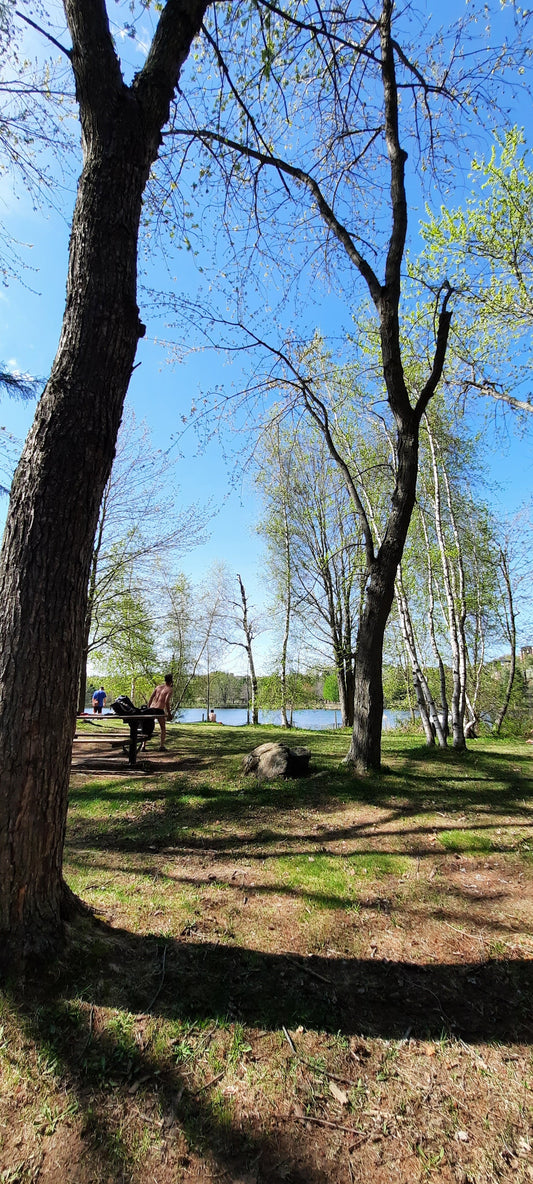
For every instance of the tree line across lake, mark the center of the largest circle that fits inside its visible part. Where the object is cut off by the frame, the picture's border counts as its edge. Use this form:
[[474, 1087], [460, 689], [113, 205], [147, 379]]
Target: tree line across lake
[[318, 688]]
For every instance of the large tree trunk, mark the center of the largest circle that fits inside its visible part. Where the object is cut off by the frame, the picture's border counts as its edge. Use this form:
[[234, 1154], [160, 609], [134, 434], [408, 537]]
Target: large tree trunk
[[365, 747], [48, 543], [53, 512]]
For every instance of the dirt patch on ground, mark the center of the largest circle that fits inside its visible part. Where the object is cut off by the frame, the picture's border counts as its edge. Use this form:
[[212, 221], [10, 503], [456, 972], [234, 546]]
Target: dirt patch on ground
[[109, 755]]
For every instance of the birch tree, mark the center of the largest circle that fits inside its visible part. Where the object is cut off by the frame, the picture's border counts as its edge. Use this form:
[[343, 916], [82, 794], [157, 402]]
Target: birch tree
[[276, 478], [194, 616], [314, 547]]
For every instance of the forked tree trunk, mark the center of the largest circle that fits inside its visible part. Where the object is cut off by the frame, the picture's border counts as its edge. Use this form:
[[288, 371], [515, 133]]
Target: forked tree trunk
[[53, 512]]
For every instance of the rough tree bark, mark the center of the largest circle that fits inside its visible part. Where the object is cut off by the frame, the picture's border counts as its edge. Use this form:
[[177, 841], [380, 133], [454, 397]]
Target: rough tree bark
[[53, 513]]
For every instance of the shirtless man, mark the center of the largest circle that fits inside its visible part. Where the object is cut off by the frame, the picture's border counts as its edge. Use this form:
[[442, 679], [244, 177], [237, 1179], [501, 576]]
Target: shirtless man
[[160, 699]]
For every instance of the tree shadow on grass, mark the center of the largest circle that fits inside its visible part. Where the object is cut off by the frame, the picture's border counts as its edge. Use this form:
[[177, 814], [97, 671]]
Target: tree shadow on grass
[[116, 972], [453, 905], [484, 788], [478, 1001], [165, 837]]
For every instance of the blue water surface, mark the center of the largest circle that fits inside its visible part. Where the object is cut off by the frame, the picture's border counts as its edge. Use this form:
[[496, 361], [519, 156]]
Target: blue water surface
[[313, 719]]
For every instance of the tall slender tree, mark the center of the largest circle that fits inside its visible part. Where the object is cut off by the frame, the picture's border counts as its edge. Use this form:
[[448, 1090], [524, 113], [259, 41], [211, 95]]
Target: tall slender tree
[[318, 186], [276, 477], [240, 613]]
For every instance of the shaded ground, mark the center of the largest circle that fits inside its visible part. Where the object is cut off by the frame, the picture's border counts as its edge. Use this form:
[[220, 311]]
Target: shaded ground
[[324, 980]]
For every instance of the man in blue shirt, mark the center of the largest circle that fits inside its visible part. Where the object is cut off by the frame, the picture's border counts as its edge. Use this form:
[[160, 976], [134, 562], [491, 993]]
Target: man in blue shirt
[[99, 701]]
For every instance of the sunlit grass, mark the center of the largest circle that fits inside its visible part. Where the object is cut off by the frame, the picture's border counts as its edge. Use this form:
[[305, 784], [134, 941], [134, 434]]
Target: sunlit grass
[[329, 882], [464, 841]]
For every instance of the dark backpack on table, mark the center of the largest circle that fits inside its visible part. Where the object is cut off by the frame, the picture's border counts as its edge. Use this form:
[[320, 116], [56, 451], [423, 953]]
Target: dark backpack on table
[[123, 707]]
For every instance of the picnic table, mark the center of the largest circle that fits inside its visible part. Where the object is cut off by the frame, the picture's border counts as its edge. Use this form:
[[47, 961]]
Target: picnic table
[[134, 722]]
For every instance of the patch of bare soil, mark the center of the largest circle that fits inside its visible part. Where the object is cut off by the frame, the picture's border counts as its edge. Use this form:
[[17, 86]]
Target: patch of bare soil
[[107, 755]]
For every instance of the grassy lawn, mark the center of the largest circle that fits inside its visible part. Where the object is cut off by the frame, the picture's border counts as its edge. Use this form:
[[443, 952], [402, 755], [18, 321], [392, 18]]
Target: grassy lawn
[[319, 980]]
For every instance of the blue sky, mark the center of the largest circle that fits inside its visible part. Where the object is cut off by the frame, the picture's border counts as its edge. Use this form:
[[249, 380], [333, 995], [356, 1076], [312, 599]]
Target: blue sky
[[160, 393]]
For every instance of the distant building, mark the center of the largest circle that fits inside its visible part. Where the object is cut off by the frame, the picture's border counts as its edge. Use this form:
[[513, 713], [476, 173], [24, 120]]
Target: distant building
[[526, 651]]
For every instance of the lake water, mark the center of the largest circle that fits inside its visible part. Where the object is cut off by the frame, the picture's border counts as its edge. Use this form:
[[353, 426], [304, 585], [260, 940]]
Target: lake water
[[314, 720]]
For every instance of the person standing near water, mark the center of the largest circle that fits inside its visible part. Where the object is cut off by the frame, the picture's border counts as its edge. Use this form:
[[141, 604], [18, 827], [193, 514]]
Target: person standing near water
[[99, 701], [160, 700]]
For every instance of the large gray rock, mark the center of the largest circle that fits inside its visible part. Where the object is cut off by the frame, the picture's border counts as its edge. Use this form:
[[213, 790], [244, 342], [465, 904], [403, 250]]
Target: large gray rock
[[269, 761]]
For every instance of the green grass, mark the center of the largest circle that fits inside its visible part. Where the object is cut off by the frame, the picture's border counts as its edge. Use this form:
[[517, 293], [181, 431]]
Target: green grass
[[327, 882], [466, 841], [125, 834]]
